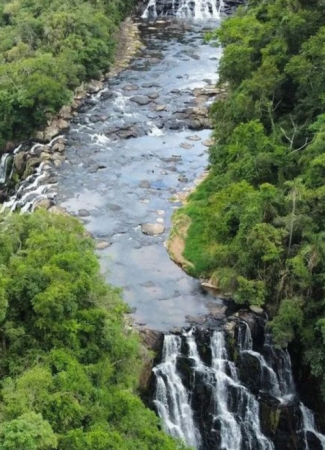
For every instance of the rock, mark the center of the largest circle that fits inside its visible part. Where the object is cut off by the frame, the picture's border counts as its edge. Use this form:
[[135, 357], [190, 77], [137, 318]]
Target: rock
[[131, 87], [152, 339], [66, 112], [160, 107], [183, 179], [152, 229], [101, 245], [20, 163], [83, 213], [249, 369], [186, 145], [256, 309], [208, 142], [160, 220], [140, 99], [197, 320], [57, 126], [57, 163], [44, 203], [95, 86], [145, 184], [45, 156], [217, 311], [193, 138], [58, 210], [58, 147], [153, 95], [160, 212]]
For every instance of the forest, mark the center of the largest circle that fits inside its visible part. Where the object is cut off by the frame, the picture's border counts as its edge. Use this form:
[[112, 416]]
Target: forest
[[48, 48], [256, 224], [69, 366]]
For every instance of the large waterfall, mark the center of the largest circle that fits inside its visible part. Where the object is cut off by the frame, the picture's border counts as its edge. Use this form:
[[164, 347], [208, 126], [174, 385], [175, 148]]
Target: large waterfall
[[218, 393], [198, 9]]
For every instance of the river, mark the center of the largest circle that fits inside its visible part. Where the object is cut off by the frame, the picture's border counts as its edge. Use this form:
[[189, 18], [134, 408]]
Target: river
[[119, 183]]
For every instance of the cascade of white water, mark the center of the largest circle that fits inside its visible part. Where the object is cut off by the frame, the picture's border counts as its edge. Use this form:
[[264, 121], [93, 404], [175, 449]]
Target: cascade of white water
[[270, 381], [172, 399], [236, 422], [198, 9], [308, 423], [281, 359], [4, 167]]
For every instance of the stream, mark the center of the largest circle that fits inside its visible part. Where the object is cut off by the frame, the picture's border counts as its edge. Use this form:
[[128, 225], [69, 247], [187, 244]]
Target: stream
[[125, 164]]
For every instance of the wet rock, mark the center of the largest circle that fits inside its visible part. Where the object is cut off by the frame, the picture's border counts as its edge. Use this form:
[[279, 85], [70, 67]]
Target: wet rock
[[185, 145], [57, 126], [44, 203], [145, 184], [195, 137], [66, 112], [101, 245], [149, 85], [195, 320], [106, 94], [140, 99], [208, 142], [57, 163], [58, 210], [20, 163], [131, 87], [173, 125], [59, 146], [160, 108], [83, 213], [95, 86], [183, 179], [152, 229], [249, 369], [152, 339], [256, 310], [153, 95]]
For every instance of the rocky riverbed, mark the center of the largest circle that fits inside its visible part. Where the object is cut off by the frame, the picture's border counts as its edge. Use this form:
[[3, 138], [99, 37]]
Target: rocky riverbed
[[135, 149]]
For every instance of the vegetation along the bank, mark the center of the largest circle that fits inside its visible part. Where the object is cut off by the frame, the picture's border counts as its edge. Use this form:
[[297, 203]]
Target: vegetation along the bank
[[47, 48], [256, 225], [69, 367]]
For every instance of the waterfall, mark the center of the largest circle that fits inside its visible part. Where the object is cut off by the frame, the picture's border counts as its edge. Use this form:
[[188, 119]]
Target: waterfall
[[309, 426], [197, 9], [233, 411], [202, 400], [172, 399], [4, 167]]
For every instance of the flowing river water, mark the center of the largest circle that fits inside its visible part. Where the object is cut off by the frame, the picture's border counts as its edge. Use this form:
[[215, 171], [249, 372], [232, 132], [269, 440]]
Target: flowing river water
[[126, 161]]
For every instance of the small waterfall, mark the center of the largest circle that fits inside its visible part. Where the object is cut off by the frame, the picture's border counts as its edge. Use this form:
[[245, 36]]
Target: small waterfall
[[5, 163], [197, 9], [172, 400], [309, 426]]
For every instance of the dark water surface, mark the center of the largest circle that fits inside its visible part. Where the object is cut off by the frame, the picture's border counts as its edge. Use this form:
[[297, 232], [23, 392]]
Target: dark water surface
[[125, 182]]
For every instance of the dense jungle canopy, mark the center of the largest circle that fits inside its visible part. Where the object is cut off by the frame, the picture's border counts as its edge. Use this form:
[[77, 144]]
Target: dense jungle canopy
[[47, 48], [257, 222], [69, 366]]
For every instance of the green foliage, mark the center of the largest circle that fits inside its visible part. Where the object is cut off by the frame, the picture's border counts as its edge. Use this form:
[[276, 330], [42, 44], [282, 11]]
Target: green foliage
[[69, 367], [257, 221], [46, 50]]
